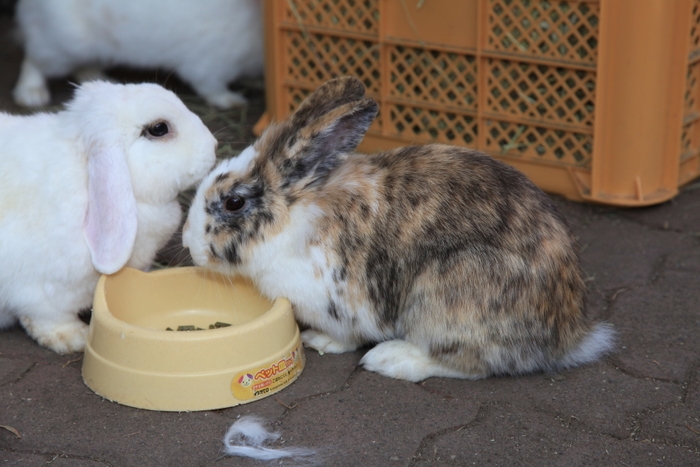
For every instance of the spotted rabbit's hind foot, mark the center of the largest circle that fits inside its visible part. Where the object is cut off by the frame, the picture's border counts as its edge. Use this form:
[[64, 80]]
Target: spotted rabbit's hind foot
[[403, 360]]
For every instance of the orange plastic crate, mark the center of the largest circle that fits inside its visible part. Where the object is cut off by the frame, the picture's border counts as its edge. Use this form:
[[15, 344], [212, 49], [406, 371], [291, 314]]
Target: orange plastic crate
[[596, 100]]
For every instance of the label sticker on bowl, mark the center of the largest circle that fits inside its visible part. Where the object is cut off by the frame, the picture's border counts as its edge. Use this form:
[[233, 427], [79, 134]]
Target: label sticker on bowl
[[263, 381]]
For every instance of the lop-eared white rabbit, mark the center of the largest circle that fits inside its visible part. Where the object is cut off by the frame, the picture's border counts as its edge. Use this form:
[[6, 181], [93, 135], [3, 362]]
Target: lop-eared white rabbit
[[453, 262], [207, 44], [86, 191]]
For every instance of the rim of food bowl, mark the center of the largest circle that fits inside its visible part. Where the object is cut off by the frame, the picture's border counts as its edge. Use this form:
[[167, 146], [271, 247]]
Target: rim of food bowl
[[280, 307]]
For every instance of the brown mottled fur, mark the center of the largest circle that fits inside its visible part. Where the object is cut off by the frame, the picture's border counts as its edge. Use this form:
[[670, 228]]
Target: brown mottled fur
[[452, 251], [469, 235]]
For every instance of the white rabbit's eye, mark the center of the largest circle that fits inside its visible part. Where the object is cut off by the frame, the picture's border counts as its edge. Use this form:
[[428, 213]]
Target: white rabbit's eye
[[158, 129], [234, 203]]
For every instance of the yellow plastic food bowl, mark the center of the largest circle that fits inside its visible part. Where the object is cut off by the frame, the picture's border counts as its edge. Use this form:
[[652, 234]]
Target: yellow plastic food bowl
[[131, 358]]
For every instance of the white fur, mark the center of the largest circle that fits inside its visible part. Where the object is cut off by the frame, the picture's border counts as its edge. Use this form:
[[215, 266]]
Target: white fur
[[288, 265], [248, 436], [600, 341], [47, 273], [207, 44], [239, 164]]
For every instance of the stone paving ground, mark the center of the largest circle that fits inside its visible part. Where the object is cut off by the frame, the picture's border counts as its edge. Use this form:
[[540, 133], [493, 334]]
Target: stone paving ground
[[638, 407]]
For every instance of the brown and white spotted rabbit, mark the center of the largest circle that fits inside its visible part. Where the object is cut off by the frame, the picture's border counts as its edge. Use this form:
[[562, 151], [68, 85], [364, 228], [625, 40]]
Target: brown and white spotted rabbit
[[453, 262]]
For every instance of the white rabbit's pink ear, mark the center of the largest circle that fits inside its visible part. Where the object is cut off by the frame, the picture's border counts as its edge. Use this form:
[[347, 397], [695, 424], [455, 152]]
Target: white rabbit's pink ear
[[110, 224]]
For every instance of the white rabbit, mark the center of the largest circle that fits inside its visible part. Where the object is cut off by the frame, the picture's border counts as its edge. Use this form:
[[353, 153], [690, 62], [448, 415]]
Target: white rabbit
[[86, 191], [207, 44]]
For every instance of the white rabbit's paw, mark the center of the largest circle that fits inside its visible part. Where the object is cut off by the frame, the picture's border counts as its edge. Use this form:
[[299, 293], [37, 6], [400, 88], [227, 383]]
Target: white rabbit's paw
[[31, 89], [324, 343], [225, 100], [31, 95], [63, 338], [402, 360]]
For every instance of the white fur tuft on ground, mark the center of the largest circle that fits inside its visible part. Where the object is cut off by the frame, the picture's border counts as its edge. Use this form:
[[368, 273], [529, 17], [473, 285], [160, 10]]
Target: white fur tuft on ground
[[248, 436]]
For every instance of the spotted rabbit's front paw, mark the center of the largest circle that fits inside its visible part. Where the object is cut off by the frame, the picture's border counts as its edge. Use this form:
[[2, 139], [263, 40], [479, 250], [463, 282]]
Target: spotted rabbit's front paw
[[324, 343]]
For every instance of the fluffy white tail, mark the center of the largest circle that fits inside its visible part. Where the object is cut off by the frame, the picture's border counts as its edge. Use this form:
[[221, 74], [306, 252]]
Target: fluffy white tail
[[247, 438], [599, 342]]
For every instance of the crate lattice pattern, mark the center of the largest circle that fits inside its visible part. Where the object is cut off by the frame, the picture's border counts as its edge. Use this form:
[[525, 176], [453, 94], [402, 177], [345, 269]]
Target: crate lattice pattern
[[317, 58], [532, 142], [433, 125], [559, 30], [448, 79], [529, 109], [695, 30], [692, 91], [541, 92], [345, 15], [690, 137]]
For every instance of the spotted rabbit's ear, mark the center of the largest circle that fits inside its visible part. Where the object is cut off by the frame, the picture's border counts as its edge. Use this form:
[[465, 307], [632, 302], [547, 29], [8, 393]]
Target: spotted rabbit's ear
[[319, 146], [111, 222], [339, 130], [328, 96]]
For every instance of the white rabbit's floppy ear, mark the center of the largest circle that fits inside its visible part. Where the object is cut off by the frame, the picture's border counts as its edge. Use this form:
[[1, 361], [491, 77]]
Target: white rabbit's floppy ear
[[111, 222]]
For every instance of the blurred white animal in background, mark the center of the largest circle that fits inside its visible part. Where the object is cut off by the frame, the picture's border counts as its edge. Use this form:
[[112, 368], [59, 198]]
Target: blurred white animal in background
[[86, 191], [207, 44]]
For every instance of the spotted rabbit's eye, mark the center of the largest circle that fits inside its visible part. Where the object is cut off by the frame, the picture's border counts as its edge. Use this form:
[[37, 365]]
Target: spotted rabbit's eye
[[158, 129], [234, 203]]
